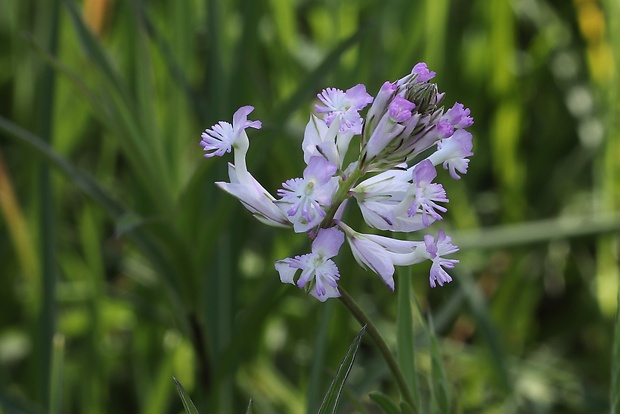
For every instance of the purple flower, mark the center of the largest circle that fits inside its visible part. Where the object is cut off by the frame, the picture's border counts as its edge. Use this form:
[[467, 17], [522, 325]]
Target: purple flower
[[423, 195], [254, 198], [452, 153], [303, 199], [344, 107], [223, 136], [400, 109], [327, 142], [423, 73], [379, 105], [458, 116], [401, 199], [317, 268], [380, 254], [435, 249]]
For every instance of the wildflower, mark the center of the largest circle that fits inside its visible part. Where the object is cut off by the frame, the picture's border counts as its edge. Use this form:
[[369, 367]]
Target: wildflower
[[380, 254], [254, 198], [402, 200], [324, 141], [344, 107], [422, 195], [317, 268], [435, 249], [393, 192], [451, 152], [304, 199], [223, 136]]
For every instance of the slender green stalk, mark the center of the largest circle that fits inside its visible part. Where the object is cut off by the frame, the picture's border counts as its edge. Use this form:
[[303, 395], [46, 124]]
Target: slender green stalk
[[363, 319], [57, 374], [341, 195], [614, 395], [405, 346], [47, 316]]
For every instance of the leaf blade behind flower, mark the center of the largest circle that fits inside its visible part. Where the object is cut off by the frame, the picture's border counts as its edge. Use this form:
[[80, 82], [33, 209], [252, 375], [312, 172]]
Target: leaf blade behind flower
[[331, 399]]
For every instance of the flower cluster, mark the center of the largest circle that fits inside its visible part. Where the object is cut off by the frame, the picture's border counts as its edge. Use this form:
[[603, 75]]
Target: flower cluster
[[406, 133]]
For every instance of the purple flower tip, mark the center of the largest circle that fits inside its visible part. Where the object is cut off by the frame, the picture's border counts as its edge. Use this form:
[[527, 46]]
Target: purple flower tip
[[423, 73]]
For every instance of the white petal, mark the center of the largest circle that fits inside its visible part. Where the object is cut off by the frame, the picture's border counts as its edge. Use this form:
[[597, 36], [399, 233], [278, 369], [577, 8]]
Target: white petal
[[286, 272]]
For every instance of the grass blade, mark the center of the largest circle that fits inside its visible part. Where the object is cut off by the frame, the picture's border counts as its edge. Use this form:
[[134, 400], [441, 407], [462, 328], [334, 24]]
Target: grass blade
[[320, 350], [480, 311], [313, 79], [387, 405], [439, 380], [57, 374], [89, 186], [615, 366], [189, 406], [330, 402], [405, 334]]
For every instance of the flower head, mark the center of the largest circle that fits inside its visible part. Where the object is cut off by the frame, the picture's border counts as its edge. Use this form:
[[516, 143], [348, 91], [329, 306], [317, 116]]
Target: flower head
[[404, 122], [406, 119]]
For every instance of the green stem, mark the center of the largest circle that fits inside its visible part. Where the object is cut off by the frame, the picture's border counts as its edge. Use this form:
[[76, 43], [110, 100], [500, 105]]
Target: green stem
[[363, 319], [341, 195]]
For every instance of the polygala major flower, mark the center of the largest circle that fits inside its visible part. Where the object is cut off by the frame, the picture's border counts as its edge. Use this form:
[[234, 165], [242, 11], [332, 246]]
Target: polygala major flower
[[318, 271], [404, 136]]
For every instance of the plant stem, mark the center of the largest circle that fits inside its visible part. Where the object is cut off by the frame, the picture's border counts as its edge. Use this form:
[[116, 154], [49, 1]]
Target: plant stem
[[341, 195], [363, 319]]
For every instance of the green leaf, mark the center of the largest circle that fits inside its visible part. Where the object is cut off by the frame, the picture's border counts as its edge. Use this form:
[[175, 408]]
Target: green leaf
[[92, 47], [312, 81], [12, 404], [189, 406], [330, 402], [58, 351], [405, 408], [387, 405], [615, 366], [405, 333], [89, 186], [478, 306], [439, 379]]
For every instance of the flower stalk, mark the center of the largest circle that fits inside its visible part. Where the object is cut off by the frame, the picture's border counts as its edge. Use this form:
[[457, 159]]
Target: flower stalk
[[385, 352]]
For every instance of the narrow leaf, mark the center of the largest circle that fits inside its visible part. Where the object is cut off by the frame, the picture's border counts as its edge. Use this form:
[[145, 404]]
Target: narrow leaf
[[439, 379], [615, 366], [189, 406], [330, 402], [405, 334], [479, 309], [405, 408], [384, 402], [91, 45], [58, 351]]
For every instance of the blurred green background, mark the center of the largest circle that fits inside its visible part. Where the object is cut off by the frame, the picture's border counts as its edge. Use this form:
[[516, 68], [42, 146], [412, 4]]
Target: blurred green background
[[122, 265]]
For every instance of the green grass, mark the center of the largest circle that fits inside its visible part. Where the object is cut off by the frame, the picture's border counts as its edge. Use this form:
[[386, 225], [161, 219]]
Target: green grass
[[124, 266]]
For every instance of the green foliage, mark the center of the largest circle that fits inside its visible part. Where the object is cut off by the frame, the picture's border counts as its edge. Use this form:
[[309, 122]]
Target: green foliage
[[188, 404], [332, 397], [123, 265]]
